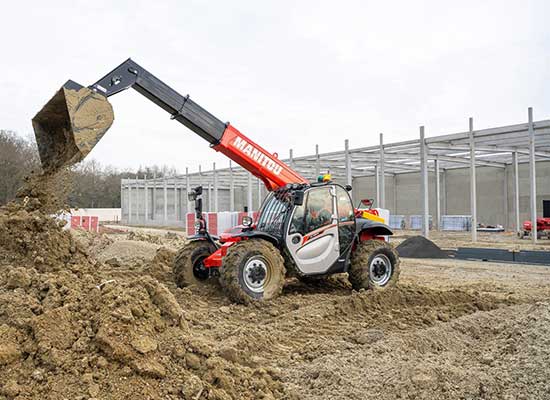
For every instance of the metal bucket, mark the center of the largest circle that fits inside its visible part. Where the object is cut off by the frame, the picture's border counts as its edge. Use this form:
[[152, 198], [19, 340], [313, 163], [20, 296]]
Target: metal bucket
[[70, 125]]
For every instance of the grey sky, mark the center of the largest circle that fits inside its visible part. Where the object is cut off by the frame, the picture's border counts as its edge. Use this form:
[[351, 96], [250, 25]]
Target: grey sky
[[285, 73]]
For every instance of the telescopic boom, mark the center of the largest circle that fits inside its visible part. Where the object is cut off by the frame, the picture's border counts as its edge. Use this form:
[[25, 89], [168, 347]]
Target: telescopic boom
[[76, 118]]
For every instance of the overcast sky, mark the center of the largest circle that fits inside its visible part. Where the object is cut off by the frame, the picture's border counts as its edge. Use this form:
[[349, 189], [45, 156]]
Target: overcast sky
[[285, 73]]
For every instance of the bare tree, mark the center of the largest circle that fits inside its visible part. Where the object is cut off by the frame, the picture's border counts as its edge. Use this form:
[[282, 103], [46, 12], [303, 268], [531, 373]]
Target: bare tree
[[18, 157]]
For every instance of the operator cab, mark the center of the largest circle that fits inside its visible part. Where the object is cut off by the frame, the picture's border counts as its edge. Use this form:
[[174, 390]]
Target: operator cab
[[315, 223]]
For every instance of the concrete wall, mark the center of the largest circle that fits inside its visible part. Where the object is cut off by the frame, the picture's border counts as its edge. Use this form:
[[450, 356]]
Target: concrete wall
[[495, 192], [176, 207]]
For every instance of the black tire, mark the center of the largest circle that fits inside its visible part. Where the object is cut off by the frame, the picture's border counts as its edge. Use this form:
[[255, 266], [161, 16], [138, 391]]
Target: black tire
[[187, 264], [253, 270], [369, 269]]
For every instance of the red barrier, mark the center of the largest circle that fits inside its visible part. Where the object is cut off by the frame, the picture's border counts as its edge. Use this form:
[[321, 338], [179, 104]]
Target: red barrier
[[86, 223], [75, 222], [213, 223], [94, 224], [190, 226]]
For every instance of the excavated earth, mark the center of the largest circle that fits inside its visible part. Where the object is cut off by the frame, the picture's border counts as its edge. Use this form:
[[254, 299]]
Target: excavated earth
[[86, 316]]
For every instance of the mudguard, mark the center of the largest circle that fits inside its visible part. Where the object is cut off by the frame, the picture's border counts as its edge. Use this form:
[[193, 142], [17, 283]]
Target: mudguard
[[261, 235], [376, 228]]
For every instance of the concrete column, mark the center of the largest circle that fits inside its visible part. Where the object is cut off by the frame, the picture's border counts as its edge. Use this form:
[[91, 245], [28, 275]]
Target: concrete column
[[505, 193], [209, 197], [377, 184], [517, 225], [138, 200], [165, 187], [249, 192], [291, 157], [129, 201], [444, 191], [260, 185], [394, 180], [146, 190], [424, 194], [175, 199], [154, 200], [231, 189], [437, 196], [215, 187], [317, 162], [348, 162], [473, 193], [187, 190], [532, 177], [122, 206], [381, 171]]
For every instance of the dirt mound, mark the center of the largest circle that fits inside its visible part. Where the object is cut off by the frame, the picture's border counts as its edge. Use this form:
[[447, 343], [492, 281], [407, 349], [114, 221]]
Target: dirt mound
[[420, 247], [161, 265], [128, 251], [144, 237], [71, 328], [472, 357], [33, 239], [94, 242], [62, 336]]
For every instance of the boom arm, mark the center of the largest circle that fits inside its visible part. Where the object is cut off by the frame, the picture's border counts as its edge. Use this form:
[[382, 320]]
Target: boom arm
[[222, 136]]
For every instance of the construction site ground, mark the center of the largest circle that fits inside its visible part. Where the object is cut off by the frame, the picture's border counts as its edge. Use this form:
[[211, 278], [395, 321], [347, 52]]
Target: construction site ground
[[114, 326]]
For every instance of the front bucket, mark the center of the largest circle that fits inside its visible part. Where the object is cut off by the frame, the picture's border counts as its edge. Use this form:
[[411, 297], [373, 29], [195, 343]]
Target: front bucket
[[70, 125]]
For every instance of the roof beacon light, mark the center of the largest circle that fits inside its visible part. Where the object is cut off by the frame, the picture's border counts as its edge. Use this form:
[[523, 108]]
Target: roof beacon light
[[324, 178]]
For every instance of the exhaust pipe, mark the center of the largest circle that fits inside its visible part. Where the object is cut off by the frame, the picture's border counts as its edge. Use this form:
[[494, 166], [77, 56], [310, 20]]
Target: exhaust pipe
[[70, 125]]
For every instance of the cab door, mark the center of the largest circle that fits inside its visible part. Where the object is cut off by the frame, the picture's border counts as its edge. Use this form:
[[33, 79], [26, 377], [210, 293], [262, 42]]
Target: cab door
[[312, 237]]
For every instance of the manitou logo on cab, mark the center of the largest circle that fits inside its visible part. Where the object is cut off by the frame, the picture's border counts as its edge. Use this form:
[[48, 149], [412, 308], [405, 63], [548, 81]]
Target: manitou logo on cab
[[257, 155]]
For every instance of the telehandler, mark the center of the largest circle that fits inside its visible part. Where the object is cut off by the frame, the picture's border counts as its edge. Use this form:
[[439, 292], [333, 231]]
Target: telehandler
[[305, 229]]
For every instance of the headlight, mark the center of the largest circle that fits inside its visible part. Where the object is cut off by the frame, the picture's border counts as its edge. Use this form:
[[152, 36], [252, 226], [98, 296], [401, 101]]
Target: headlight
[[247, 221]]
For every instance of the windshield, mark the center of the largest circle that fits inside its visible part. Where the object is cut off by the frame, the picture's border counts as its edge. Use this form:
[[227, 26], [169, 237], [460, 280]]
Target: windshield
[[272, 216]]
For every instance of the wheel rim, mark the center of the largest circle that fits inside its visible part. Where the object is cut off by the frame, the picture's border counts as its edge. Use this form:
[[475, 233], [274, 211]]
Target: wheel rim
[[200, 272], [256, 274], [380, 269]]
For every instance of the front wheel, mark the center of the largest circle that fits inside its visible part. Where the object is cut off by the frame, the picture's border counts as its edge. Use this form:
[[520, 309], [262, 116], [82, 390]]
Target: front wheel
[[374, 265], [189, 266], [252, 270]]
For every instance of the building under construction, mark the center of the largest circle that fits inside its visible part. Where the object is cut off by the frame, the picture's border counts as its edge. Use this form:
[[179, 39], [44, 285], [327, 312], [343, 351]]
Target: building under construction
[[495, 176]]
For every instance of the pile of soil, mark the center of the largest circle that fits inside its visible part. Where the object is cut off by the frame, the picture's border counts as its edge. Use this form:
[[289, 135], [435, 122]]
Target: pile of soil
[[420, 247], [144, 237], [69, 330]]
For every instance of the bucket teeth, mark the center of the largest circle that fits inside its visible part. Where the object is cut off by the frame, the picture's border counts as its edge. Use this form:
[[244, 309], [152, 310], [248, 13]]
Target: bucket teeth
[[70, 125]]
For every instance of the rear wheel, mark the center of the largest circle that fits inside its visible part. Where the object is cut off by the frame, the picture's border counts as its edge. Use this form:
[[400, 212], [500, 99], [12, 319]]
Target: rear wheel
[[374, 265], [252, 270], [189, 266]]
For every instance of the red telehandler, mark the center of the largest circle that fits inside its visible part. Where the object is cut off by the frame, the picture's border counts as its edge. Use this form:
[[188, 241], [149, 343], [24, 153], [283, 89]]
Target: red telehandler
[[309, 230]]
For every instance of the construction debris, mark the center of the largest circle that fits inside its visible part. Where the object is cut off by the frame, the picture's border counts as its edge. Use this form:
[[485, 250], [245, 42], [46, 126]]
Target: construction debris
[[420, 247]]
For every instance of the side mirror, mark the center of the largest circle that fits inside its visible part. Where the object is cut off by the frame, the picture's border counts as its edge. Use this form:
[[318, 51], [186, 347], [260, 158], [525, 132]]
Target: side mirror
[[298, 198], [348, 188]]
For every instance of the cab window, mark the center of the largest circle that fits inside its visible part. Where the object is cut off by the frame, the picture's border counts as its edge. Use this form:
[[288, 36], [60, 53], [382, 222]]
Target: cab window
[[345, 207], [316, 213]]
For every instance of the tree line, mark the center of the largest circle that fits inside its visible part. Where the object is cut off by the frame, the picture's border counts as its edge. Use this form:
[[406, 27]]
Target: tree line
[[92, 184]]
